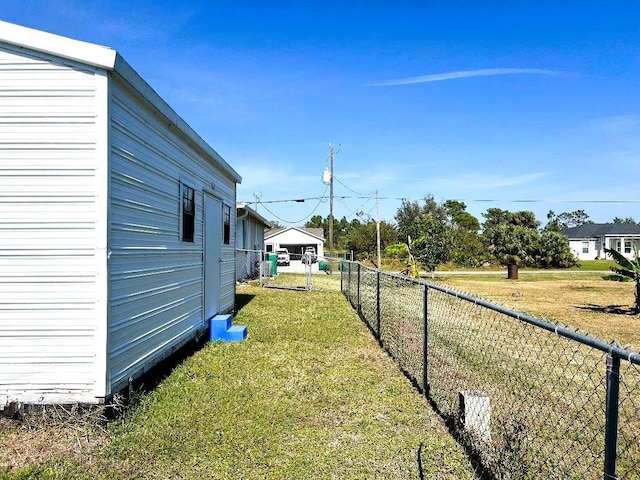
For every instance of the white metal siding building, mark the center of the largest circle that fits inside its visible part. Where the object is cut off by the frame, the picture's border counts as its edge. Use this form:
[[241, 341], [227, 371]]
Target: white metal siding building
[[250, 227], [116, 222]]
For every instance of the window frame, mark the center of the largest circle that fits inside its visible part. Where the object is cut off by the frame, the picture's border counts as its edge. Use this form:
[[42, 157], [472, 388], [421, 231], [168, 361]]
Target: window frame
[[585, 247], [187, 215], [226, 224]]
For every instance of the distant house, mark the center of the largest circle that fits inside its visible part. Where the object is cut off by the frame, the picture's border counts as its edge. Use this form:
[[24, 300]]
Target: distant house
[[250, 227], [295, 239], [588, 241], [117, 231]]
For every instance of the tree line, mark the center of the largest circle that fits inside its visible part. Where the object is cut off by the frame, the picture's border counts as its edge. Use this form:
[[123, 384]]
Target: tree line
[[432, 233]]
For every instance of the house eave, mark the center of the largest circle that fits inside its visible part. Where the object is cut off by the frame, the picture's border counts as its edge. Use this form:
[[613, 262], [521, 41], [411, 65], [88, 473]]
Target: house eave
[[305, 232], [252, 213], [69, 48]]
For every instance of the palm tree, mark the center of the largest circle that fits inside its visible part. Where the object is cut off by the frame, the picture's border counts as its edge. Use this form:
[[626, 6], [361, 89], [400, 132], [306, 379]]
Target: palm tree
[[626, 271]]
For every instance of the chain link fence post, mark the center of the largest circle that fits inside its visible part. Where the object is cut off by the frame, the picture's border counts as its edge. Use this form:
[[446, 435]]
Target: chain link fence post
[[358, 293], [425, 345], [378, 311], [349, 284], [611, 426]]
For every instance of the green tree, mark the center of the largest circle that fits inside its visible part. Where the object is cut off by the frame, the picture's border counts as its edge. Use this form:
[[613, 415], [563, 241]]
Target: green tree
[[565, 220], [433, 241], [626, 271], [513, 244], [341, 228], [468, 249], [495, 217], [517, 241], [316, 222], [409, 210], [511, 237], [553, 251], [363, 239], [623, 220]]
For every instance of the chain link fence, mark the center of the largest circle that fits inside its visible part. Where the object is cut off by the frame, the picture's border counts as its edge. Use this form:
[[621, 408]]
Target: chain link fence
[[527, 398], [296, 275], [250, 265]]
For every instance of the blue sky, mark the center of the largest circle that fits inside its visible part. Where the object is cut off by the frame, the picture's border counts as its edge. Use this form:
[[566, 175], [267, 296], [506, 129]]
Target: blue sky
[[514, 105]]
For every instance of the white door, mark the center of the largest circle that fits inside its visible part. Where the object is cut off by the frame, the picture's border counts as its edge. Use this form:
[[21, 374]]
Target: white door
[[212, 256]]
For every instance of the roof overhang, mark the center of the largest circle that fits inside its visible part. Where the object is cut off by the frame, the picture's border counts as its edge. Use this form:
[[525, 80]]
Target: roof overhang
[[301, 230], [252, 213]]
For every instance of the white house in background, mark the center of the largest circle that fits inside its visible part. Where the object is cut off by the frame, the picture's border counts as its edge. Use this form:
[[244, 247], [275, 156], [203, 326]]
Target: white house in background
[[117, 234], [295, 239], [588, 241], [250, 226]]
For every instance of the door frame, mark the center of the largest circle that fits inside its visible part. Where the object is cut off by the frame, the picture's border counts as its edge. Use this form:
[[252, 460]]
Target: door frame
[[211, 260]]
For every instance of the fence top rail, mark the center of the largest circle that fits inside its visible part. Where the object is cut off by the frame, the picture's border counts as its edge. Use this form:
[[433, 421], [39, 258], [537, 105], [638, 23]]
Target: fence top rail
[[611, 349], [248, 250]]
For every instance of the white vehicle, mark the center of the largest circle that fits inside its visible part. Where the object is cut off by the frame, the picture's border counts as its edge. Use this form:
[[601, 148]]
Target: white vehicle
[[310, 252], [283, 256]]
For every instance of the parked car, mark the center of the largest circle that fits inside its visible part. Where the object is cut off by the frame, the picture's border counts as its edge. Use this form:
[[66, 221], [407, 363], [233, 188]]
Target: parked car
[[310, 252], [283, 256]]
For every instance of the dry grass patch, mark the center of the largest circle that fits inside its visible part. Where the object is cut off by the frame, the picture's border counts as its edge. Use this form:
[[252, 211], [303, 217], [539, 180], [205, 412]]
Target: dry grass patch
[[585, 301], [51, 435]]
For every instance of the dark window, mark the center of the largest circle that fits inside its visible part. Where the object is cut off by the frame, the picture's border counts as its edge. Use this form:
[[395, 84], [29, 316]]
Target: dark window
[[226, 224], [188, 213]]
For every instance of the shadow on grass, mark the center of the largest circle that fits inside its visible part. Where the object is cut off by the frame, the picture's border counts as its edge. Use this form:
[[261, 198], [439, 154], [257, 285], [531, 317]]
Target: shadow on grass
[[242, 299], [150, 379], [146, 383], [611, 309]]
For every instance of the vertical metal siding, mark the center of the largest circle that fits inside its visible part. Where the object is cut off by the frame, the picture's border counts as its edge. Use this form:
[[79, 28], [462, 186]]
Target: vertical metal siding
[[47, 229], [156, 280]]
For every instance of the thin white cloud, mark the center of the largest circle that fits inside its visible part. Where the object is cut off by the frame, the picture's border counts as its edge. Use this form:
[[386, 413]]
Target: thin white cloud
[[487, 182], [439, 77]]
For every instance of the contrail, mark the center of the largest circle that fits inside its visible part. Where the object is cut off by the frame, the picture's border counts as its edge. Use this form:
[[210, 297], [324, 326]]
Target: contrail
[[439, 77]]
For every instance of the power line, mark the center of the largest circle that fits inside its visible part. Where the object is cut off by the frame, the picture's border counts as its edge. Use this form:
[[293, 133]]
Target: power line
[[297, 200], [320, 199], [350, 189], [479, 200]]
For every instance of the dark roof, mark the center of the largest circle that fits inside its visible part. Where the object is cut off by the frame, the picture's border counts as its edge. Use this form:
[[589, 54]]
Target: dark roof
[[592, 230]]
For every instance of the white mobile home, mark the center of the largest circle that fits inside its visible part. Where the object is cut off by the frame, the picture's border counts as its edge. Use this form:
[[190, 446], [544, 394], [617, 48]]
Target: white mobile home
[[116, 222], [250, 227]]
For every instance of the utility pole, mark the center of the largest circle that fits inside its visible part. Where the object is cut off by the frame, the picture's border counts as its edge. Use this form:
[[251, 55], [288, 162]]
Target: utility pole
[[331, 203], [378, 230]]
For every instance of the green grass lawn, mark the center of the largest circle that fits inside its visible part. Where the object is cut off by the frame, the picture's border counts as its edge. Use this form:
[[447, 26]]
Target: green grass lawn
[[309, 394]]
